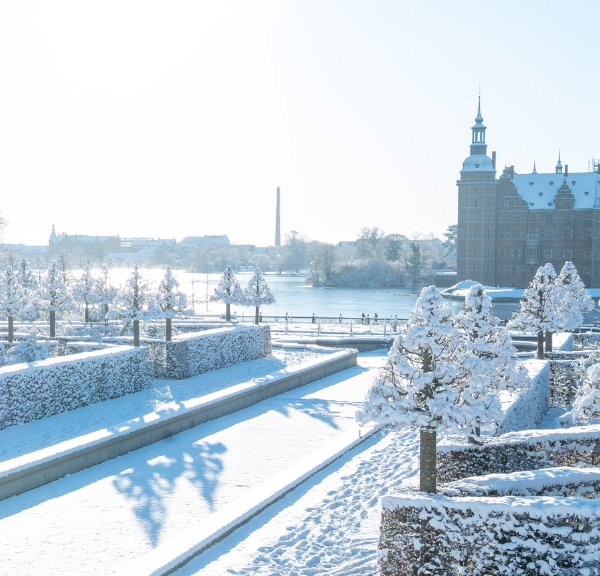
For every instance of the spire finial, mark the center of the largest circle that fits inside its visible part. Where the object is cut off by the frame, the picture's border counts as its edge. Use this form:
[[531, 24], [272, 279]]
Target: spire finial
[[534, 168], [479, 118]]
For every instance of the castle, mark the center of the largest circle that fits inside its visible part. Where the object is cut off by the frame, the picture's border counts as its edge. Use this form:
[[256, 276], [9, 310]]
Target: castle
[[511, 225]]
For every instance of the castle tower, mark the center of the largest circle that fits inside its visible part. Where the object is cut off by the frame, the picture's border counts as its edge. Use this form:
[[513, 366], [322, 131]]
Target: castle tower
[[476, 210], [278, 220]]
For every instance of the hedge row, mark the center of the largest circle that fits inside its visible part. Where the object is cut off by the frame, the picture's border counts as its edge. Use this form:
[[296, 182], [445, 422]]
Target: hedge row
[[425, 534], [188, 355], [48, 387]]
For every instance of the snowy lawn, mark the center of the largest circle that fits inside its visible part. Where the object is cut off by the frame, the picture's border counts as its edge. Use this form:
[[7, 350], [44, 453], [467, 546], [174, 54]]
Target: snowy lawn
[[95, 521], [329, 525], [164, 395]]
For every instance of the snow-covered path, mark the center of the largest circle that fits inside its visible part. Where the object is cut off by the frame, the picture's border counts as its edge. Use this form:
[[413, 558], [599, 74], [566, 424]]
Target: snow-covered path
[[329, 525], [96, 520]]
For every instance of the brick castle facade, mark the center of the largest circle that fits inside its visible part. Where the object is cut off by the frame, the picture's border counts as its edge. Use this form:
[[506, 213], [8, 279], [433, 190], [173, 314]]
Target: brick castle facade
[[511, 225]]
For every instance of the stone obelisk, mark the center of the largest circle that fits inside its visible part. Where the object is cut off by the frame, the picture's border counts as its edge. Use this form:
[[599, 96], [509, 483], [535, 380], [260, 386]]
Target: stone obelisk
[[278, 220]]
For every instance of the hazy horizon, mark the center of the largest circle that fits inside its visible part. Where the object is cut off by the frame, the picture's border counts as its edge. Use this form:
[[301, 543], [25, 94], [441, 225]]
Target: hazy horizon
[[181, 119]]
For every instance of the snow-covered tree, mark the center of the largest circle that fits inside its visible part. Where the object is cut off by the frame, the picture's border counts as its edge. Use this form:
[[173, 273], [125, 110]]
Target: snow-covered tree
[[258, 293], [540, 308], [587, 400], [105, 293], [54, 296], [428, 382], [85, 291], [576, 300], [30, 286], [228, 291], [12, 300], [487, 340], [171, 300], [134, 303]]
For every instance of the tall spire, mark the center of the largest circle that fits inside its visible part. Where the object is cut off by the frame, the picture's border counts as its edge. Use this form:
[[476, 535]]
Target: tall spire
[[534, 170], [478, 145], [559, 166]]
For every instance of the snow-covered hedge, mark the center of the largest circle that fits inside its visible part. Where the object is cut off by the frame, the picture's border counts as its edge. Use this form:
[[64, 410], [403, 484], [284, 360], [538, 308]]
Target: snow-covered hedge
[[48, 387], [563, 481], [427, 534], [188, 355], [527, 408], [586, 341], [517, 451]]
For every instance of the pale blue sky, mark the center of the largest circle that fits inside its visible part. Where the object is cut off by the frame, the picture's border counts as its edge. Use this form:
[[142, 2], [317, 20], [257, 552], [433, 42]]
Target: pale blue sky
[[181, 118]]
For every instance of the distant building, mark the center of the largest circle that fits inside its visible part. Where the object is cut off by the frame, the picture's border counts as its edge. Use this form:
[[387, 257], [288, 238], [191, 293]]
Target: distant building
[[190, 243], [28, 252], [508, 227], [94, 246]]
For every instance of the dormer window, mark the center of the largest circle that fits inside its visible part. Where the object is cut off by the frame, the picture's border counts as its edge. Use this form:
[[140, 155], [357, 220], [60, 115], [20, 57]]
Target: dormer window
[[573, 182], [531, 183], [531, 204], [551, 183], [587, 193], [540, 193], [476, 165], [549, 203]]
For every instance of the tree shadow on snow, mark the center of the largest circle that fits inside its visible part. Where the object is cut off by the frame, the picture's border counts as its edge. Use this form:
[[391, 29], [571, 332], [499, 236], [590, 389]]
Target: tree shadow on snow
[[148, 487]]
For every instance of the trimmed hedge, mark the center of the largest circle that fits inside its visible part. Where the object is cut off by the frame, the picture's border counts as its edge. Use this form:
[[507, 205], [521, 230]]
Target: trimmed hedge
[[188, 355], [427, 534], [48, 387], [528, 450]]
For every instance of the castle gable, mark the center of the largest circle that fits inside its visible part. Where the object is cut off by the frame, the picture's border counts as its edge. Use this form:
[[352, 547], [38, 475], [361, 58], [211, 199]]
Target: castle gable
[[540, 190]]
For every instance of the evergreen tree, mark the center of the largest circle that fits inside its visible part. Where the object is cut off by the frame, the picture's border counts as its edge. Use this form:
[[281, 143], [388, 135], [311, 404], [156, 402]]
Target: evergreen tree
[[105, 293], [540, 308], [576, 300], [54, 296], [171, 300], [30, 286], [228, 291], [487, 340], [428, 382], [258, 293], [414, 263], [85, 291], [134, 303], [12, 300]]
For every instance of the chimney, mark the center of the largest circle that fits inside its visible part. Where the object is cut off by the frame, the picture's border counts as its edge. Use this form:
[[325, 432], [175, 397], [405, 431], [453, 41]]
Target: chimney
[[566, 170], [494, 159], [278, 220]]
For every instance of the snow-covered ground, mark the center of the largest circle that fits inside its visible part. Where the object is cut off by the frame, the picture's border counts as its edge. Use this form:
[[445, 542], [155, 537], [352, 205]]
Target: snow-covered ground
[[165, 395], [329, 525], [95, 521]]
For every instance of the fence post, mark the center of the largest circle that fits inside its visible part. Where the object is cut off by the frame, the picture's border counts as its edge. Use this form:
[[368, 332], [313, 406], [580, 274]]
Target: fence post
[[351, 334], [318, 326], [384, 328], [286, 326]]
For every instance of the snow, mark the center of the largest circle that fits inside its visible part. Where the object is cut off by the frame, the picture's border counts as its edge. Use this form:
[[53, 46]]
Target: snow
[[42, 439], [578, 182], [94, 521], [478, 163]]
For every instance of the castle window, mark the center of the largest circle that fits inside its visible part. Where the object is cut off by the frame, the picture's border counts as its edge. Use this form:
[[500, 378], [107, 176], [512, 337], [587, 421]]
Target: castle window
[[587, 254], [511, 202], [501, 253], [516, 218], [513, 270], [549, 232], [568, 217], [587, 216], [516, 232], [533, 217], [568, 253], [549, 217], [549, 253], [587, 232], [568, 232], [487, 253]]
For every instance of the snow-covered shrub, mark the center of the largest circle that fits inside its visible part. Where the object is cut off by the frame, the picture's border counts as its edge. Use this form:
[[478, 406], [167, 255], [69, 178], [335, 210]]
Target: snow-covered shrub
[[54, 296], [13, 302], [86, 292], [426, 534], [29, 286], [576, 300], [530, 405], [32, 391], [526, 450], [564, 381], [563, 481], [190, 354], [29, 350], [586, 341], [587, 399], [105, 295], [228, 291], [258, 293]]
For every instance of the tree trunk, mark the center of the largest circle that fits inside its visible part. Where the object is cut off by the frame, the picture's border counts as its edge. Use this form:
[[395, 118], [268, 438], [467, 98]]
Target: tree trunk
[[10, 329], [52, 323], [227, 312], [256, 316], [136, 332], [549, 341], [540, 345], [168, 332], [87, 313], [428, 461]]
